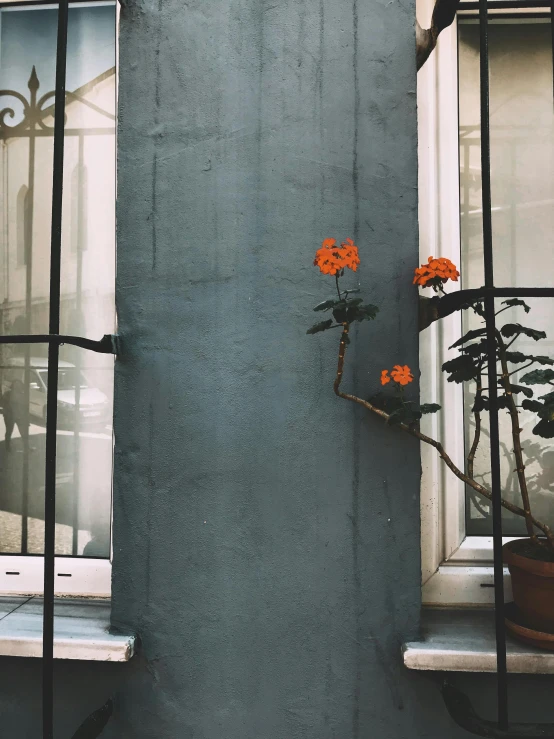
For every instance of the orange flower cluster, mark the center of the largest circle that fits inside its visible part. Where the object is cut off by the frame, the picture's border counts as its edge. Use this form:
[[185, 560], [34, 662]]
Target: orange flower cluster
[[436, 272], [401, 375], [332, 259]]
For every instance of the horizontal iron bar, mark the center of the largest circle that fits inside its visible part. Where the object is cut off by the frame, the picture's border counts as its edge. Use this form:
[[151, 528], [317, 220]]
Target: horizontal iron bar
[[453, 301], [506, 4], [42, 2], [462, 712], [38, 132], [106, 345]]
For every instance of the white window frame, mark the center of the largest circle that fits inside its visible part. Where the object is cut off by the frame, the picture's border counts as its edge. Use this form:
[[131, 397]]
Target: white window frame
[[74, 576], [456, 569]]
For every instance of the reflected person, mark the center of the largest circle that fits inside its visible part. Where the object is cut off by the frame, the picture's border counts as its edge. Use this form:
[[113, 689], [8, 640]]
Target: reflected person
[[15, 413]]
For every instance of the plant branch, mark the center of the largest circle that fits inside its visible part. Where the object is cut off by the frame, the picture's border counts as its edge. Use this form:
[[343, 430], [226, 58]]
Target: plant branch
[[516, 436], [477, 434], [519, 369], [342, 352], [485, 492]]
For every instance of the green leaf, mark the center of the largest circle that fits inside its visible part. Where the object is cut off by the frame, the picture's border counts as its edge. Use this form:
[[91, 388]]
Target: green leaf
[[541, 359], [475, 334], [340, 305], [520, 357], [544, 410], [545, 429], [516, 329], [367, 312], [525, 390], [323, 326], [538, 377], [358, 312], [478, 349], [532, 405], [547, 413], [339, 311], [405, 414], [516, 301], [460, 369], [548, 398], [388, 403], [516, 357], [482, 403], [402, 411], [325, 305], [479, 309], [429, 408]]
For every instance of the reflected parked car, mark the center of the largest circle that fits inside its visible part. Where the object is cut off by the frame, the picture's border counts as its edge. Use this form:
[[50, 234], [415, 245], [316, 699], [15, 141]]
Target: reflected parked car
[[94, 405]]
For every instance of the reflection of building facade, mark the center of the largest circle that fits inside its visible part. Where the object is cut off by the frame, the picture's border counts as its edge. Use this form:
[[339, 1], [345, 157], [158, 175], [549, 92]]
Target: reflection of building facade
[[83, 478], [88, 267], [522, 161]]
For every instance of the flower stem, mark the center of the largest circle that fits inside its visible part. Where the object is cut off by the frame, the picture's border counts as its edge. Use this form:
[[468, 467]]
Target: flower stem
[[342, 352], [337, 283], [434, 443], [477, 435]]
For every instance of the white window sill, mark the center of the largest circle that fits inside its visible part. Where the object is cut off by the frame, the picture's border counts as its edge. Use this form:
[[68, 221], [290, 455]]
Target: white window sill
[[463, 640], [81, 630]]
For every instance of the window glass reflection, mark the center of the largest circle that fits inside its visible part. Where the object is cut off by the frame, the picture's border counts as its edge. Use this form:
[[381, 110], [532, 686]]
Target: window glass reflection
[[522, 169], [85, 393]]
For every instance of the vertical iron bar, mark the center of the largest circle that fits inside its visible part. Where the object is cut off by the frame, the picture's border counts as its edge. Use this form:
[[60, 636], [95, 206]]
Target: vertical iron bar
[[78, 329], [28, 225], [490, 320], [52, 397], [552, 34]]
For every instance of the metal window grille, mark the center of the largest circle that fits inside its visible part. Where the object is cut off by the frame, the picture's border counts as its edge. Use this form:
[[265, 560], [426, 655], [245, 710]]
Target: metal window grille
[[32, 127], [458, 705]]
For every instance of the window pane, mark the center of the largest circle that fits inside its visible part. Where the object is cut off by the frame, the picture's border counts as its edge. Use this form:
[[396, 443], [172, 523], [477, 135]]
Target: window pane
[[522, 167], [84, 433], [22, 449], [27, 69], [88, 229], [84, 450], [522, 152]]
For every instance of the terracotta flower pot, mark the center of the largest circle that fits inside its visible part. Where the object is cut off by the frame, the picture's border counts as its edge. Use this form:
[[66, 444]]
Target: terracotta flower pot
[[532, 586]]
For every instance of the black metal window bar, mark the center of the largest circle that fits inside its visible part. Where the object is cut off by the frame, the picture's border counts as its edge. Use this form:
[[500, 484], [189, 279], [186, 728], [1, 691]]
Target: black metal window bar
[[30, 127], [458, 705]]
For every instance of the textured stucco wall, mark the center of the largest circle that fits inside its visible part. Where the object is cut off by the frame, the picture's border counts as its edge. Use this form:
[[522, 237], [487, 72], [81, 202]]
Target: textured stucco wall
[[266, 533], [257, 517]]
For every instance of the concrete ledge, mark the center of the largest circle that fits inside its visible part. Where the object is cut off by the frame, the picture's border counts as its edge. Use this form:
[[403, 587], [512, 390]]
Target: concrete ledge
[[81, 630], [464, 641]]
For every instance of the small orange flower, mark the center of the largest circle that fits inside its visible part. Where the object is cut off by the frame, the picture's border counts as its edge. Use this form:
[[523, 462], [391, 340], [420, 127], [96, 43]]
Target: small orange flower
[[435, 273], [402, 375], [385, 377], [332, 259]]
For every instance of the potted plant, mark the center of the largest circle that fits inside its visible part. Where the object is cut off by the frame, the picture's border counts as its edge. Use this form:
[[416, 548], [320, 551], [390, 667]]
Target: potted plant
[[531, 559]]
